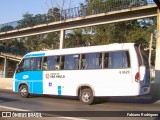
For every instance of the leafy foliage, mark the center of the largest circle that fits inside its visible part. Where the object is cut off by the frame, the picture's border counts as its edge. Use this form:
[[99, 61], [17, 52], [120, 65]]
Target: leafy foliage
[[6, 28], [137, 31]]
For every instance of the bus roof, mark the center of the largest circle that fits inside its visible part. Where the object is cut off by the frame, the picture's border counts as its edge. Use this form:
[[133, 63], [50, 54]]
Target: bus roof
[[80, 50]]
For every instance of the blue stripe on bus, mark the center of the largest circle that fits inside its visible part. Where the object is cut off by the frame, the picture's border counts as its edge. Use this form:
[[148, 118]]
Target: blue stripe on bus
[[35, 55], [59, 90], [34, 80]]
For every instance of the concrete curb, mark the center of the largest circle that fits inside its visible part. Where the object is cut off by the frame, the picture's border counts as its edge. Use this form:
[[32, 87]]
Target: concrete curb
[[6, 83], [155, 90]]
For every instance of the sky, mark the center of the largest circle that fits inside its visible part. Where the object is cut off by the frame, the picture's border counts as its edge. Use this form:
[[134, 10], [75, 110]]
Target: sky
[[13, 10]]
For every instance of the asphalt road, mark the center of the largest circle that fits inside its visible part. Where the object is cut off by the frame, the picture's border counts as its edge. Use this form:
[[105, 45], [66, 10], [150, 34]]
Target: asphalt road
[[50, 106]]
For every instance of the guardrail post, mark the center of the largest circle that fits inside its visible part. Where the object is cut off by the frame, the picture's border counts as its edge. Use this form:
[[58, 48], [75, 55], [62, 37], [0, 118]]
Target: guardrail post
[[5, 67], [157, 63], [155, 87], [62, 36]]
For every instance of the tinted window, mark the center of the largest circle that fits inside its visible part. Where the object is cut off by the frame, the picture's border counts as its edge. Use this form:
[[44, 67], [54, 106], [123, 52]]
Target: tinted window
[[49, 63], [53, 63], [24, 65], [71, 62], [92, 61], [35, 63], [119, 59], [59, 63]]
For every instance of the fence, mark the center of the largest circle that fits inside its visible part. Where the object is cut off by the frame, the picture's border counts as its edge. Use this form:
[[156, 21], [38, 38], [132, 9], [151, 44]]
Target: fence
[[1, 74], [81, 11]]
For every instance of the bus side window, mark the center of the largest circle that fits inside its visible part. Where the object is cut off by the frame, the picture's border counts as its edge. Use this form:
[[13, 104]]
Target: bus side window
[[83, 62], [39, 63], [126, 59], [20, 67], [92, 61], [32, 63], [24, 65], [45, 65], [71, 62], [106, 60], [117, 60], [59, 63], [35, 63], [51, 61]]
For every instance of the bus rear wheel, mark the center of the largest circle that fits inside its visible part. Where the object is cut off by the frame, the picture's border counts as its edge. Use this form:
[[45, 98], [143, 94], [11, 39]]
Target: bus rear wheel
[[23, 91], [87, 96]]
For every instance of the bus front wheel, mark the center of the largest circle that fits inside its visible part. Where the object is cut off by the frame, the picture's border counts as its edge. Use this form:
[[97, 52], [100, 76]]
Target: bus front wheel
[[23, 91], [87, 96]]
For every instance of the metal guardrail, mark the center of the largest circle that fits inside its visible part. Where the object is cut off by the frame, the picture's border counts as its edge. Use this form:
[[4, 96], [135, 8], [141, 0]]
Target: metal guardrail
[[13, 51], [9, 74], [81, 11]]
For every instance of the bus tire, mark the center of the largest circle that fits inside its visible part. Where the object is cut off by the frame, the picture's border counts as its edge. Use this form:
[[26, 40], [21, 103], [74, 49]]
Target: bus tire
[[23, 91], [87, 96]]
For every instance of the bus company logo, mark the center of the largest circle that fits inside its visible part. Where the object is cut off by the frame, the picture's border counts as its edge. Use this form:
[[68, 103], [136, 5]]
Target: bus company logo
[[47, 75], [25, 76]]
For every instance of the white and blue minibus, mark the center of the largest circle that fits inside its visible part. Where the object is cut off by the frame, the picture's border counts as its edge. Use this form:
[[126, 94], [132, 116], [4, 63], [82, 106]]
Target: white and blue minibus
[[119, 69]]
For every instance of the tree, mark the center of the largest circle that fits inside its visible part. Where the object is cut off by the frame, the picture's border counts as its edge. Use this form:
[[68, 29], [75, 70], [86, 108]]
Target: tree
[[50, 41], [40, 19], [27, 21], [6, 28], [39, 42], [54, 14], [74, 38]]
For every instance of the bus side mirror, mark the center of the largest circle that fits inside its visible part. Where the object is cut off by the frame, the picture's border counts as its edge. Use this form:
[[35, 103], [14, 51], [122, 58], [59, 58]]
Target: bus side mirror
[[17, 68], [17, 65]]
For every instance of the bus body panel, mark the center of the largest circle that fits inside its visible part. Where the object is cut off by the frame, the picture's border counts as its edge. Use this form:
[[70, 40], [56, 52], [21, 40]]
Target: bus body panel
[[103, 82], [32, 78], [100, 80]]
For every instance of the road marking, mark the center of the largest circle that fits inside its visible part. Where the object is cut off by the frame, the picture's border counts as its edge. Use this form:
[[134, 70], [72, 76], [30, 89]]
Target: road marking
[[17, 109], [11, 108], [8, 88], [72, 118]]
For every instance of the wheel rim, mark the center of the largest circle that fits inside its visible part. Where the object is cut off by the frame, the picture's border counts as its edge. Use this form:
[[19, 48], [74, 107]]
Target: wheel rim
[[23, 91], [86, 97]]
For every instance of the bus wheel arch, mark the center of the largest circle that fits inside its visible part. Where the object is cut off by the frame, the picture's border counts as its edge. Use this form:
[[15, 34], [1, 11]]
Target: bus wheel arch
[[86, 94], [23, 90]]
